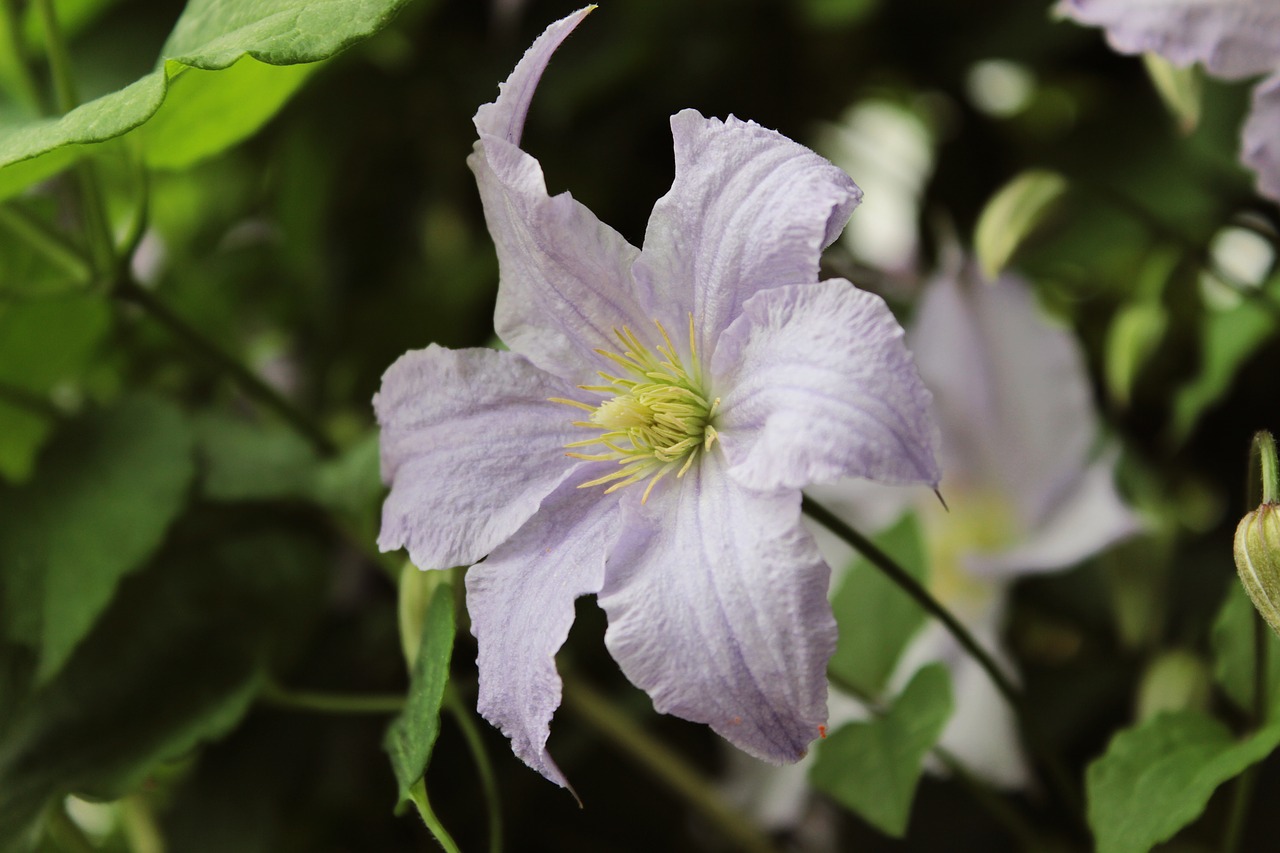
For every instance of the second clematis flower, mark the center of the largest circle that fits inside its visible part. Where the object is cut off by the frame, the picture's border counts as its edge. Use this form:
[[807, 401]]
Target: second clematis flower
[[647, 436]]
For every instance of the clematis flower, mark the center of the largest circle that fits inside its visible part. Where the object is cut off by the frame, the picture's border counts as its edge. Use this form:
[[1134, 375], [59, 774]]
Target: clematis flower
[[1233, 39], [646, 438], [1026, 496]]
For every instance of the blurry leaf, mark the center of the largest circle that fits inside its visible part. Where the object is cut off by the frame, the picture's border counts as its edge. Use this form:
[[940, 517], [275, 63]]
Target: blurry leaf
[[209, 111], [1232, 642], [873, 768], [1157, 777], [243, 461], [176, 660], [109, 486], [876, 619], [210, 35], [43, 343], [1179, 88], [412, 735], [1134, 335], [1012, 214], [1228, 338], [255, 462]]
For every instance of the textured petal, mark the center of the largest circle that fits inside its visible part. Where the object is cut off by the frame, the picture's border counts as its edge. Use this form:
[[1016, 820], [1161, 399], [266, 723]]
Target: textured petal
[[748, 209], [1232, 38], [815, 385], [1261, 149], [521, 606], [470, 446], [717, 605], [1010, 391], [565, 277], [1085, 520]]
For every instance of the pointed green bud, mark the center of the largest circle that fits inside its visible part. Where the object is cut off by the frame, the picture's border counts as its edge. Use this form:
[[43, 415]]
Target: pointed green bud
[[1258, 560], [1257, 546]]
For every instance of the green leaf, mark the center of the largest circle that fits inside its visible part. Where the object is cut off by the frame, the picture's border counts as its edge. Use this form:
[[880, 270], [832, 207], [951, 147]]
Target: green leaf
[[1012, 214], [873, 768], [175, 661], [109, 486], [1157, 777], [1232, 642], [1228, 338], [211, 35], [209, 111], [412, 735], [876, 619]]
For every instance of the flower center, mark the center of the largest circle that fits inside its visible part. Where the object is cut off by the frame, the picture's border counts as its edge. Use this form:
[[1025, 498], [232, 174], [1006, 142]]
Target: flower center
[[656, 418]]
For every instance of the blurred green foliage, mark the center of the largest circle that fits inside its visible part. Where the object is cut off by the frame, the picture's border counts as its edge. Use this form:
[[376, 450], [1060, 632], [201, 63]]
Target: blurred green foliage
[[288, 180]]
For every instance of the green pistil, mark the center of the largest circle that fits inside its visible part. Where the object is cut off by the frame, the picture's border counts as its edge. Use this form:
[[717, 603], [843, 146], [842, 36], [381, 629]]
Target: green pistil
[[656, 420]]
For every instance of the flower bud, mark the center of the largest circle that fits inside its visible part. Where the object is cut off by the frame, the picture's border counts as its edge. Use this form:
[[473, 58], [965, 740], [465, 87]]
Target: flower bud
[[1257, 551]]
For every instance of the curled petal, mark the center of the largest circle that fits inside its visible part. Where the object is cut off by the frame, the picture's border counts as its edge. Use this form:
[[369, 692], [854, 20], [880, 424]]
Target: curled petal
[[1232, 38], [1261, 148], [717, 606], [470, 447], [521, 606], [818, 385], [565, 277], [748, 209]]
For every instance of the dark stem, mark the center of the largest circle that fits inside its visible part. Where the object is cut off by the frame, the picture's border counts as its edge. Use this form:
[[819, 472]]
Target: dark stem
[[130, 291], [917, 591]]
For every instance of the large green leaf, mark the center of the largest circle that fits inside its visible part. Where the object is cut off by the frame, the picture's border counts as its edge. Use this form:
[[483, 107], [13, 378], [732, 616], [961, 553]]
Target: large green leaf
[[412, 735], [1157, 777], [876, 618], [176, 660], [873, 768], [107, 490], [211, 35]]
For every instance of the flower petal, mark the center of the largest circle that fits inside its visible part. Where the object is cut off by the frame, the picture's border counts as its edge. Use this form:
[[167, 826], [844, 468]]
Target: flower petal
[[1261, 148], [748, 209], [521, 606], [1085, 520], [1010, 391], [565, 277], [1233, 38], [717, 605], [818, 385], [470, 447]]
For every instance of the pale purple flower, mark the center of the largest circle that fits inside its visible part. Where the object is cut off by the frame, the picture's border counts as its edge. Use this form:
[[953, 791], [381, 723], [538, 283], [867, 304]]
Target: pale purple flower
[[711, 368], [1233, 39]]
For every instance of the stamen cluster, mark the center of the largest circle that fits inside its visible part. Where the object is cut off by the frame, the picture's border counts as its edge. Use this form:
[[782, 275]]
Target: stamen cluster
[[657, 418]]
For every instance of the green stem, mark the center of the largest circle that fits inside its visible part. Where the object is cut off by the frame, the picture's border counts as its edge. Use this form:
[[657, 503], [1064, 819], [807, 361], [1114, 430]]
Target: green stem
[[475, 743], [332, 703], [1264, 472], [1239, 810], [130, 291], [46, 242], [917, 591], [67, 98], [28, 91], [662, 763], [140, 827], [418, 794]]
